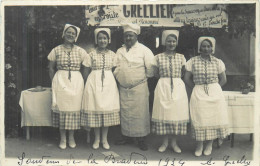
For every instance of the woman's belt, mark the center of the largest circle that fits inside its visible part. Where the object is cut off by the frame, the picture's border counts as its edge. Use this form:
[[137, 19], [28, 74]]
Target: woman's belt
[[132, 86]]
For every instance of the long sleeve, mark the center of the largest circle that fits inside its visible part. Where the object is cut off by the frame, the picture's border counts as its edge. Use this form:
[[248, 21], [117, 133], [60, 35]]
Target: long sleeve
[[148, 61]]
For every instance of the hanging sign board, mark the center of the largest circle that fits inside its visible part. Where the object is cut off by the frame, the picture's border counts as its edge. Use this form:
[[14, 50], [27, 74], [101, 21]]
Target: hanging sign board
[[168, 15]]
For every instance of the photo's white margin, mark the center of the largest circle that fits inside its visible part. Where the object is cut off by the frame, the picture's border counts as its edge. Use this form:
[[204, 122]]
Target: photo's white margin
[[10, 162]]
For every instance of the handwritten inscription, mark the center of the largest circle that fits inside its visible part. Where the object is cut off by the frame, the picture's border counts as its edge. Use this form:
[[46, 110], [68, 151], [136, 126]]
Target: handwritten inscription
[[91, 159], [169, 162], [133, 159], [42, 160], [243, 161], [209, 162], [72, 160]]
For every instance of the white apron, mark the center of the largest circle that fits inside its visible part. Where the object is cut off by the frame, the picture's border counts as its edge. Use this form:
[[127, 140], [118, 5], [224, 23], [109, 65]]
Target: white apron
[[101, 100], [134, 105], [67, 94], [170, 107], [208, 111]]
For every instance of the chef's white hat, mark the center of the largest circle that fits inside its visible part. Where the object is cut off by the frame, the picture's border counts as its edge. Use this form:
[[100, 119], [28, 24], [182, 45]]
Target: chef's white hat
[[132, 27], [69, 25], [211, 39], [107, 30], [167, 33]]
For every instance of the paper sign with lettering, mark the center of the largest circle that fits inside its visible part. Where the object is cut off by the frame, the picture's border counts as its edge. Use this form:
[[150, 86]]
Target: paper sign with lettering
[[168, 15]]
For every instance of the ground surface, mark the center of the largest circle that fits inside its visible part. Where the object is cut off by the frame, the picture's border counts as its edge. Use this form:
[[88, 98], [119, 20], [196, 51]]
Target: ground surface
[[44, 142]]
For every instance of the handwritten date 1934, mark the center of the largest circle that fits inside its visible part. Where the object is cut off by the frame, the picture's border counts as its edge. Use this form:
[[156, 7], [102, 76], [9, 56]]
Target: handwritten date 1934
[[169, 162]]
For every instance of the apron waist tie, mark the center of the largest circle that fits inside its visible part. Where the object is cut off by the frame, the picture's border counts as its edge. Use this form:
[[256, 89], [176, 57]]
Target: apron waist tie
[[130, 87]]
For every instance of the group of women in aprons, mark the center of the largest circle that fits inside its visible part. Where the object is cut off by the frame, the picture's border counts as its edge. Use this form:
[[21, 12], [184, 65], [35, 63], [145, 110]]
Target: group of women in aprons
[[85, 92], [90, 98]]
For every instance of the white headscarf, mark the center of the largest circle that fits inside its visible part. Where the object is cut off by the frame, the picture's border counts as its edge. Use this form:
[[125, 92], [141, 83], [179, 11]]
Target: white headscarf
[[107, 30], [69, 25], [212, 39], [132, 27], [167, 33]]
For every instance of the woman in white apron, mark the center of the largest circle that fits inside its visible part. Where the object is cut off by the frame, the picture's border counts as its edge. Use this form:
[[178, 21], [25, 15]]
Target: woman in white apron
[[100, 107], [170, 108], [208, 110], [67, 84]]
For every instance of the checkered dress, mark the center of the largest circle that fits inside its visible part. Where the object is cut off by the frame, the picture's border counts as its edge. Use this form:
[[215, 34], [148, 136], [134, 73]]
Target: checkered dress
[[68, 63], [205, 72], [68, 60], [209, 133], [101, 98], [163, 63], [165, 110], [99, 61], [205, 76], [67, 121], [100, 120], [164, 128]]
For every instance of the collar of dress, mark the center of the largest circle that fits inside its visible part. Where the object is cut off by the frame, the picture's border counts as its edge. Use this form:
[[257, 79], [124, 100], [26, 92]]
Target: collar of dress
[[211, 58], [168, 55]]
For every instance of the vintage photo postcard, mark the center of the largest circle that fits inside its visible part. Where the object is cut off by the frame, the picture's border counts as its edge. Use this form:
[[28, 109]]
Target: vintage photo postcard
[[164, 83]]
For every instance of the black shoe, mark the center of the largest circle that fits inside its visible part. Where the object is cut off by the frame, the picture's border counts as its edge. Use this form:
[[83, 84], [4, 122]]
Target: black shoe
[[142, 145], [124, 141]]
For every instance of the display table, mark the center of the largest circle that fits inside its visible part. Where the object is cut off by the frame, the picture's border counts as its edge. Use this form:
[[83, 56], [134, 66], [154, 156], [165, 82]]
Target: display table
[[241, 113], [36, 109]]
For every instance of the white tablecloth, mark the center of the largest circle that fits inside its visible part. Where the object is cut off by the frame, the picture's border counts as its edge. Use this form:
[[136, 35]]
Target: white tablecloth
[[36, 108], [241, 111]]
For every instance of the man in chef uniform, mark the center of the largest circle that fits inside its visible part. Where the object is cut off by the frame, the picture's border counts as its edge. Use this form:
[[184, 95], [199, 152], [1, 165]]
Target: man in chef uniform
[[134, 66]]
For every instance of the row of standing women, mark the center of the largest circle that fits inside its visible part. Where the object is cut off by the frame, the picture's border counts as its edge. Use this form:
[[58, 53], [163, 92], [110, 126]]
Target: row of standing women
[[96, 105]]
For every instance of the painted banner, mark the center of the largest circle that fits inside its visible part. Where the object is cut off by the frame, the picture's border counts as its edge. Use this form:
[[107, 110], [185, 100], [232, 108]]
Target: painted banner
[[168, 15]]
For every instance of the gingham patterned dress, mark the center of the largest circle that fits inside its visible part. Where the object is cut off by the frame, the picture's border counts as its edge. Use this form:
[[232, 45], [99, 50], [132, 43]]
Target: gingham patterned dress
[[100, 106], [170, 109], [208, 109], [67, 86]]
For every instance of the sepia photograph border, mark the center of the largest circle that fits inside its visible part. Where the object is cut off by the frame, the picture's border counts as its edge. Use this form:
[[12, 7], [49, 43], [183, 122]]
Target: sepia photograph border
[[8, 161]]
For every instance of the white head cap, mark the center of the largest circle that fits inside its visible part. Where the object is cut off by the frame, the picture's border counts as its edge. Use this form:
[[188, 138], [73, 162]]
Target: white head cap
[[132, 27], [167, 33], [69, 25], [107, 30], [212, 39]]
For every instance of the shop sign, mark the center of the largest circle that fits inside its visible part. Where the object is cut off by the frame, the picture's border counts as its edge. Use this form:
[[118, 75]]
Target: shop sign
[[168, 15]]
